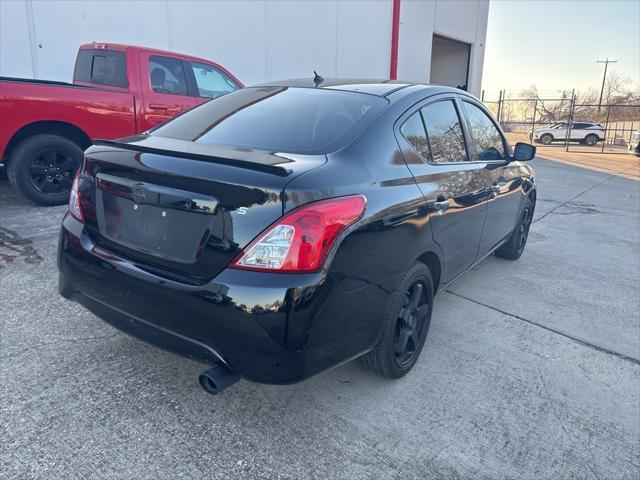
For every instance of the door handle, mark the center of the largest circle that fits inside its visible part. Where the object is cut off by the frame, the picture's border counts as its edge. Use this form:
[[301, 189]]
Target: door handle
[[440, 206], [155, 106]]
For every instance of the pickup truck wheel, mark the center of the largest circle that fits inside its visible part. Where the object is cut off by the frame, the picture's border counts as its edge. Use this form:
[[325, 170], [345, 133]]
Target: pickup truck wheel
[[407, 321], [546, 139], [591, 139], [42, 168], [513, 248]]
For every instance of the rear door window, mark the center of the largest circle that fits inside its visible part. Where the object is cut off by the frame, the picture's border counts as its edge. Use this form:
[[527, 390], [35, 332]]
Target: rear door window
[[278, 119], [413, 131], [167, 75], [102, 67], [445, 132], [211, 82], [487, 140]]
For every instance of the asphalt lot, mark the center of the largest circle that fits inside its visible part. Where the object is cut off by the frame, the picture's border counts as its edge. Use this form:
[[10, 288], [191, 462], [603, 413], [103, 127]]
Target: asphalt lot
[[531, 370]]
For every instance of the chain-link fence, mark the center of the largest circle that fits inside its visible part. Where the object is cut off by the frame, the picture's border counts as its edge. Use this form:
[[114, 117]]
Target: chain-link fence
[[565, 122]]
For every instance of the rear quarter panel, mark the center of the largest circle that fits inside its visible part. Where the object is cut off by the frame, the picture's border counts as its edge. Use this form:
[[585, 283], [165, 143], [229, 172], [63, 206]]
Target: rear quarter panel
[[372, 259]]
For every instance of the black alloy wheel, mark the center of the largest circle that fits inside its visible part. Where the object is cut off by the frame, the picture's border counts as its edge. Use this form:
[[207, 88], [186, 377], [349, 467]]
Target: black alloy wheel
[[524, 226], [51, 171], [42, 168], [405, 325], [411, 323], [512, 249]]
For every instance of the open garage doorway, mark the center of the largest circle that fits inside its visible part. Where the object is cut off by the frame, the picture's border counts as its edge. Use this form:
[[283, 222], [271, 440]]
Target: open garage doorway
[[450, 62]]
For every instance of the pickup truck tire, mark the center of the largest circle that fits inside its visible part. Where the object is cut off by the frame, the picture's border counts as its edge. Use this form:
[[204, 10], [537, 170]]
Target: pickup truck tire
[[42, 168], [512, 249], [410, 305]]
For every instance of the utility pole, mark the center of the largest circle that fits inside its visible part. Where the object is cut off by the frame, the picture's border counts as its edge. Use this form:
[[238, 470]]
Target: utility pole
[[604, 78]]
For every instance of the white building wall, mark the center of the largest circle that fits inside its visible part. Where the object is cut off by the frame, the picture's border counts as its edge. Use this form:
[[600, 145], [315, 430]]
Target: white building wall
[[257, 40], [416, 34], [15, 47], [478, 48]]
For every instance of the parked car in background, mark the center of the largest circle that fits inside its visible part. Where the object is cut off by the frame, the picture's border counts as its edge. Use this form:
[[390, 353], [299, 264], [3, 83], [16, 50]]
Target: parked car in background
[[316, 220], [589, 133], [117, 91], [634, 144]]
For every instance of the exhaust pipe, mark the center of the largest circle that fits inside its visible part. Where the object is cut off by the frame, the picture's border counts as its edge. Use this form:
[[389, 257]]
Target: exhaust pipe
[[218, 378]]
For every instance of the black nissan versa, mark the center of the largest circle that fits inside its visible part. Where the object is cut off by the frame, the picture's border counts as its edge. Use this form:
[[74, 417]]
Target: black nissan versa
[[284, 229]]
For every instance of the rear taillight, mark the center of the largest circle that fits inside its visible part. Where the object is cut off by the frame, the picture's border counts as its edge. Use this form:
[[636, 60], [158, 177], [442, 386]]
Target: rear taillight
[[300, 241], [74, 201]]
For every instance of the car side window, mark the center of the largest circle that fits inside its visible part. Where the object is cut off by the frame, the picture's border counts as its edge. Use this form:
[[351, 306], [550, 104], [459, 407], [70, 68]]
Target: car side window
[[413, 130], [167, 75], [487, 140], [445, 132], [211, 82]]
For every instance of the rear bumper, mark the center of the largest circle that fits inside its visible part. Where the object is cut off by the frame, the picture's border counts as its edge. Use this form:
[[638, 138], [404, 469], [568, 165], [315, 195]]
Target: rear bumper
[[270, 328]]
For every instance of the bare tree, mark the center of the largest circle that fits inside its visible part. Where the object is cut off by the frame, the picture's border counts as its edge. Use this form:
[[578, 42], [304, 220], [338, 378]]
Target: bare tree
[[616, 86], [547, 110], [618, 90]]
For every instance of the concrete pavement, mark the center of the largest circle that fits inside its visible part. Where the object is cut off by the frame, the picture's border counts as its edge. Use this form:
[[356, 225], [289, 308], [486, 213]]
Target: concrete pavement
[[531, 371]]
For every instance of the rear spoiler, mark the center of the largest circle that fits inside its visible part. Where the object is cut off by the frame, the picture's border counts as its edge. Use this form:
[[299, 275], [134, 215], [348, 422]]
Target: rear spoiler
[[247, 164]]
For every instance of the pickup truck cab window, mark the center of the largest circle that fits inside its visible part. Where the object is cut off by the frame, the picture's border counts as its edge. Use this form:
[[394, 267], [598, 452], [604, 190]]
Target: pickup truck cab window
[[102, 67], [211, 82], [445, 132], [488, 143], [413, 130], [167, 75]]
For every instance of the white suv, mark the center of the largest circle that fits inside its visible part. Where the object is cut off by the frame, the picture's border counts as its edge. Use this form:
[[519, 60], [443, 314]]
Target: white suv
[[588, 133], [634, 144]]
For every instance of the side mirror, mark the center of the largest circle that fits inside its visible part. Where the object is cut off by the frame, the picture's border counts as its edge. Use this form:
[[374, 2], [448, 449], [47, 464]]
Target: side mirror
[[523, 152]]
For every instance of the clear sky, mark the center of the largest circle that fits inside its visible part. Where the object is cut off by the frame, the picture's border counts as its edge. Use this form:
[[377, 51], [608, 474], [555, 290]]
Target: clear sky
[[554, 44]]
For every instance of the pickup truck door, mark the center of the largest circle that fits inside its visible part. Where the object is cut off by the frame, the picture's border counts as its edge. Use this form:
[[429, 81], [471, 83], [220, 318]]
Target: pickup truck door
[[165, 89], [452, 185]]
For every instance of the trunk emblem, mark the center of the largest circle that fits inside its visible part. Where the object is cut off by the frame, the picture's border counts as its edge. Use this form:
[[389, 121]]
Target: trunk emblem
[[138, 194]]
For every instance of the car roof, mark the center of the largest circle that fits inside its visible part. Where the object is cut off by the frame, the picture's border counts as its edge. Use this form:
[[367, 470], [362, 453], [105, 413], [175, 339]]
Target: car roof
[[378, 87]]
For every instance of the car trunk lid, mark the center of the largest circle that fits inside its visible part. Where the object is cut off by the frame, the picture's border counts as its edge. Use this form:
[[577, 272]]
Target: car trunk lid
[[180, 209]]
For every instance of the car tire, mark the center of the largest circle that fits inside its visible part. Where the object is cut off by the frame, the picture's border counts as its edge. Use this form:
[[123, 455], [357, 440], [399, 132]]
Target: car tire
[[546, 139], [42, 168], [407, 321], [591, 139], [512, 249]]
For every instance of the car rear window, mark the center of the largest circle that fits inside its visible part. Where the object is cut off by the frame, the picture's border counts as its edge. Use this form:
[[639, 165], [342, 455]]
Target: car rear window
[[102, 67], [278, 119]]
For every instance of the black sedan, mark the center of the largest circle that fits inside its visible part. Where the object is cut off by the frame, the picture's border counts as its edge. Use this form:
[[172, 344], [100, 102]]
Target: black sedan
[[287, 228]]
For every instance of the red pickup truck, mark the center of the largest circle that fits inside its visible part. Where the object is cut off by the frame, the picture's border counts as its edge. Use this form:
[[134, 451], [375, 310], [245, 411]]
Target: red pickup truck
[[117, 91]]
